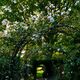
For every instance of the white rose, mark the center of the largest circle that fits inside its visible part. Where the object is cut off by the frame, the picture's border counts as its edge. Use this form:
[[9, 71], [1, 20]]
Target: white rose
[[76, 3], [4, 22]]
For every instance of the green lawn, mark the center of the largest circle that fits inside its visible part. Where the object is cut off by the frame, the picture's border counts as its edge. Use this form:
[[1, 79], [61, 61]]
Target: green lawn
[[39, 72]]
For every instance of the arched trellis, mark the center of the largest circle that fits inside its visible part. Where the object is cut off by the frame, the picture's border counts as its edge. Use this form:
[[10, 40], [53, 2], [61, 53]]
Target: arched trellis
[[59, 28]]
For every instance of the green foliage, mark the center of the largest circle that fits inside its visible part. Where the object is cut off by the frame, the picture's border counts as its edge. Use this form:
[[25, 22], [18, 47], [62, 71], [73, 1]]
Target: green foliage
[[39, 30]]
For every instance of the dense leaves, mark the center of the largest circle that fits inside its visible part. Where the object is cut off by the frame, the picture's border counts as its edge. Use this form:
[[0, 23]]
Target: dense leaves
[[39, 30]]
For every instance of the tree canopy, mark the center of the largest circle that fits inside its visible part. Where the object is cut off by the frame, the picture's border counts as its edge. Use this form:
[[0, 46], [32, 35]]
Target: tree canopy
[[40, 30]]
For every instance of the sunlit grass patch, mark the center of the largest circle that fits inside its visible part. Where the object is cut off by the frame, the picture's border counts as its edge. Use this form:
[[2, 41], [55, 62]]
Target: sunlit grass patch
[[39, 72]]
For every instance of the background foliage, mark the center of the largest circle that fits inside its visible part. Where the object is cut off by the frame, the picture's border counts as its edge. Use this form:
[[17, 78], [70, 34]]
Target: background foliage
[[39, 30]]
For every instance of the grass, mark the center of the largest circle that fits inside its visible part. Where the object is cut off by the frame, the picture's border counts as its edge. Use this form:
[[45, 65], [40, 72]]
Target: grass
[[39, 72]]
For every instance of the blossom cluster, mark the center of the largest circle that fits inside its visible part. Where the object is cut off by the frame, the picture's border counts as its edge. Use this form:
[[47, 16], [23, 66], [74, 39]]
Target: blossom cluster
[[7, 8], [54, 10]]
